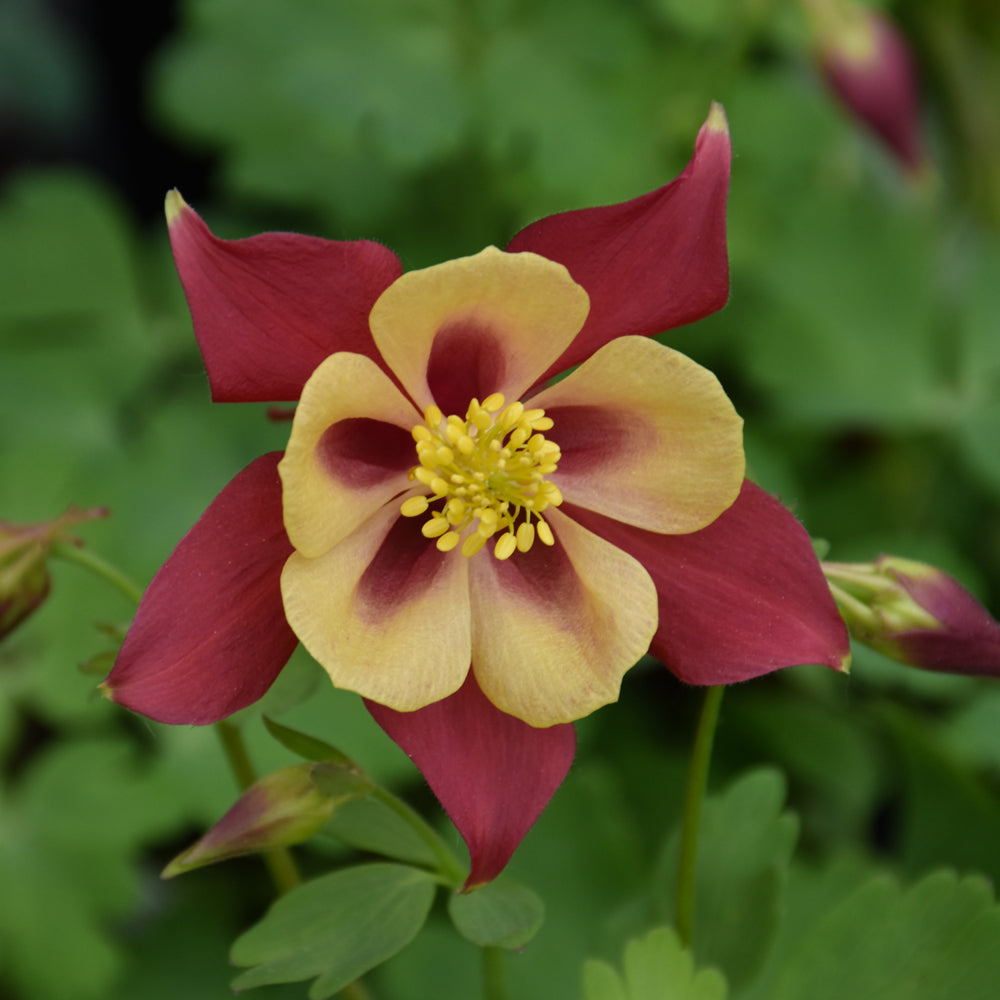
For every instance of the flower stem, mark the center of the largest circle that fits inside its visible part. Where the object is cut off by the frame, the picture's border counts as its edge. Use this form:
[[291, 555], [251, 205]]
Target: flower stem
[[448, 865], [494, 974], [280, 863], [694, 794], [99, 567], [355, 991]]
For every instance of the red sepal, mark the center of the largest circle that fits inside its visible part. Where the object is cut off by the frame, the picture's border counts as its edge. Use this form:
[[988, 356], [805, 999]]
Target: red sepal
[[968, 641], [649, 264], [210, 634], [740, 598], [268, 309], [493, 773]]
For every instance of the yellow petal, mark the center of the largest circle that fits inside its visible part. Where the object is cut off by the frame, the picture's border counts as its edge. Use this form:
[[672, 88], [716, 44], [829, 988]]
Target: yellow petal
[[478, 325], [384, 613], [555, 629], [648, 437], [350, 451]]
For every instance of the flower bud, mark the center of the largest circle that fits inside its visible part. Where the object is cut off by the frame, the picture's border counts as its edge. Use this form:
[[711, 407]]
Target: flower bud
[[24, 555], [283, 808], [917, 614], [868, 65]]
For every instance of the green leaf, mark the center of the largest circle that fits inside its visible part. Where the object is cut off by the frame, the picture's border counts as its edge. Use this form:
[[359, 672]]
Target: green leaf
[[744, 847], [370, 825], [70, 832], [307, 746], [936, 941], [657, 967], [502, 914], [335, 928]]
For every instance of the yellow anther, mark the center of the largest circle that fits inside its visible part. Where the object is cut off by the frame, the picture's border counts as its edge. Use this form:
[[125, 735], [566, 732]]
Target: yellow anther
[[506, 546], [414, 506], [447, 542], [435, 527], [511, 415], [519, 436], [489, 470], [472, 544], [525, 536]]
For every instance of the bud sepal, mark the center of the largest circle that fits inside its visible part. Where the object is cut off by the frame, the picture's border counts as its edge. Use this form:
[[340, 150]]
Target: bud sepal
[[283, 808], [24, 555], [917, 614]]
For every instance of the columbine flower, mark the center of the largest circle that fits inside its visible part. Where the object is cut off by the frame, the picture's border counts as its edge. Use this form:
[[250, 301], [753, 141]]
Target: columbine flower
[[482, 557], [917, 614], [868, 65]]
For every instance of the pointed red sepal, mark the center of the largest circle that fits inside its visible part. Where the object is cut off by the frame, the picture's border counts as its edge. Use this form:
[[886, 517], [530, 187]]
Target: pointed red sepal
[[493, 773], [210, 635], [652, 263], [740, 598], [268, 309]]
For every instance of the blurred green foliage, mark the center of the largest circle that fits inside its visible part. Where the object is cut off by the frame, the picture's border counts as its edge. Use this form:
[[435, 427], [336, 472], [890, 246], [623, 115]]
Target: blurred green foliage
[[861, 344]]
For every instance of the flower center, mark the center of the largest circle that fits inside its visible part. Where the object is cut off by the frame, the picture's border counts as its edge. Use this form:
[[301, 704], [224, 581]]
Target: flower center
[[489, 470]]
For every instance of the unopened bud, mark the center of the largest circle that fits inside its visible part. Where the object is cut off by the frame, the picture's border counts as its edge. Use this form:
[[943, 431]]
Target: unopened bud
[[24, 556], [917, 614], [868, 65], [283, 808]]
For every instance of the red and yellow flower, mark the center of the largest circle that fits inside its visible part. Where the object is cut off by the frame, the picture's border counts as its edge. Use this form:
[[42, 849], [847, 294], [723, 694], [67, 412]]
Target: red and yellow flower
[[479, 554]]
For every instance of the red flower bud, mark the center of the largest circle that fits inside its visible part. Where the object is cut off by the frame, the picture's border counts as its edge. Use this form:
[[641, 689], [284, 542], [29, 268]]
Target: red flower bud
[[917, 614], [867, 63], [283, 808], [24, 554]]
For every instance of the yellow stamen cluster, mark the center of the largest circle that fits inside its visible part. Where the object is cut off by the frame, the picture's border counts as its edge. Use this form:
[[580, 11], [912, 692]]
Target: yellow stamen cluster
[[489, 469]]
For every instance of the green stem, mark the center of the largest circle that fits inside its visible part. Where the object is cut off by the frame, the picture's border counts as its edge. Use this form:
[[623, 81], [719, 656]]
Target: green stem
[[448, 865], [279, 860], [694, 794], [280, 863], [494, 974], [99, 567], [355, 991]]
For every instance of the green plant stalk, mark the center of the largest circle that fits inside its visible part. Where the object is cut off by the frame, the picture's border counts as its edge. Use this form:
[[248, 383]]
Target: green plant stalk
[[494, 974], [694, 794], [99, 567], [355, 991], [279, 860], [448, 865]]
